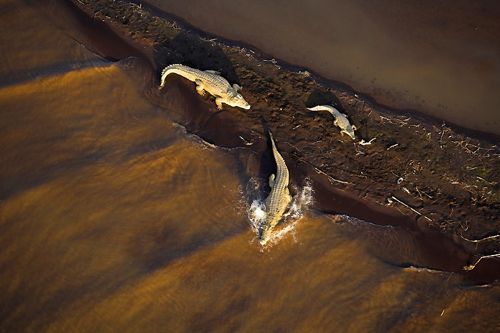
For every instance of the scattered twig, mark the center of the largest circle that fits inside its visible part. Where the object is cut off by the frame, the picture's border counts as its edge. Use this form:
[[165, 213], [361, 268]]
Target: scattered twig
[[395, 121], [273, 61], [246, 142], [366, 143], [471, 267], [409, 207], [406, 190], [393, 146], [484, 180], [330, 177], [443, 129], [484, 239]]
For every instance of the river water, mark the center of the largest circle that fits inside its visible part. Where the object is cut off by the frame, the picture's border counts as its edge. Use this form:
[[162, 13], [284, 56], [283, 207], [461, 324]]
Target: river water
[[438, 57], [113, 217]]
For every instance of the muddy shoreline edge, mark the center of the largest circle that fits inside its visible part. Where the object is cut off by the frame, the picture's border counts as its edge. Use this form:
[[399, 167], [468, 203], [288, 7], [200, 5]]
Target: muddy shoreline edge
[[440, 179]]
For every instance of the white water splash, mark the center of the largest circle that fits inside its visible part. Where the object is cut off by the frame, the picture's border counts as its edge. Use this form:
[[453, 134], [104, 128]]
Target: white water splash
[[257, 215], [257, 211]]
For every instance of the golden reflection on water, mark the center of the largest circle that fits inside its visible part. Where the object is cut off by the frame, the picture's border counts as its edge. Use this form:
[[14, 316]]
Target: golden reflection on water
[[113, 219]]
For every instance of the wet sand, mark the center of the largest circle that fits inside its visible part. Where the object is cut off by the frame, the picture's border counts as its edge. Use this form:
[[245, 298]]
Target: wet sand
[[441, 58], [110, 222]]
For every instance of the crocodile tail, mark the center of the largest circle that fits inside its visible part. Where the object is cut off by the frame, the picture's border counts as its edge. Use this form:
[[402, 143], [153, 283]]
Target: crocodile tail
[[272, 139], [170, 67], [165, 72]]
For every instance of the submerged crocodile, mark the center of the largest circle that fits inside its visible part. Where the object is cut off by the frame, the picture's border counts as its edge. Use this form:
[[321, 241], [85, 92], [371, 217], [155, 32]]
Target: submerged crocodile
[[210, 81], [341, 120], [279, 197]]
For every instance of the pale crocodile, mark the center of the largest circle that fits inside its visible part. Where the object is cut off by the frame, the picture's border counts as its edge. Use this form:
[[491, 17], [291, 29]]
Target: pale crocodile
[[210, 81], [279, 197], [341, 120]]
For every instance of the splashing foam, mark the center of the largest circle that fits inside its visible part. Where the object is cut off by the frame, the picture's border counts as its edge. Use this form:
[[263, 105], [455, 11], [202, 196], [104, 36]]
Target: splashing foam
[[257, 212]]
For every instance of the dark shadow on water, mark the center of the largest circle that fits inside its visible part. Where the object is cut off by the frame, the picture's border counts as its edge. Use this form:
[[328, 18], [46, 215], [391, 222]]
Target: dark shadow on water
[[96, 34], [162, 248], [11, 186]]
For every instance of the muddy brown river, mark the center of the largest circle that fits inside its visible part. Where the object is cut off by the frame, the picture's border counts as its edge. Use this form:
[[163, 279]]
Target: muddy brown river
[[115, 217]]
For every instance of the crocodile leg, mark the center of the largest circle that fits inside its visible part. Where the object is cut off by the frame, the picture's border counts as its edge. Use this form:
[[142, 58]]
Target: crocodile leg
[[218, 101], [271, 180], [200, 89], [336, 122], [348, 134]]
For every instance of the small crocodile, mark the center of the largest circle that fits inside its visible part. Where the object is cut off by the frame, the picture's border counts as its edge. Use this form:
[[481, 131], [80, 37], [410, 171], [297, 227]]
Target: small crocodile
[[279, 197], [341, 120], [210, 81]]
